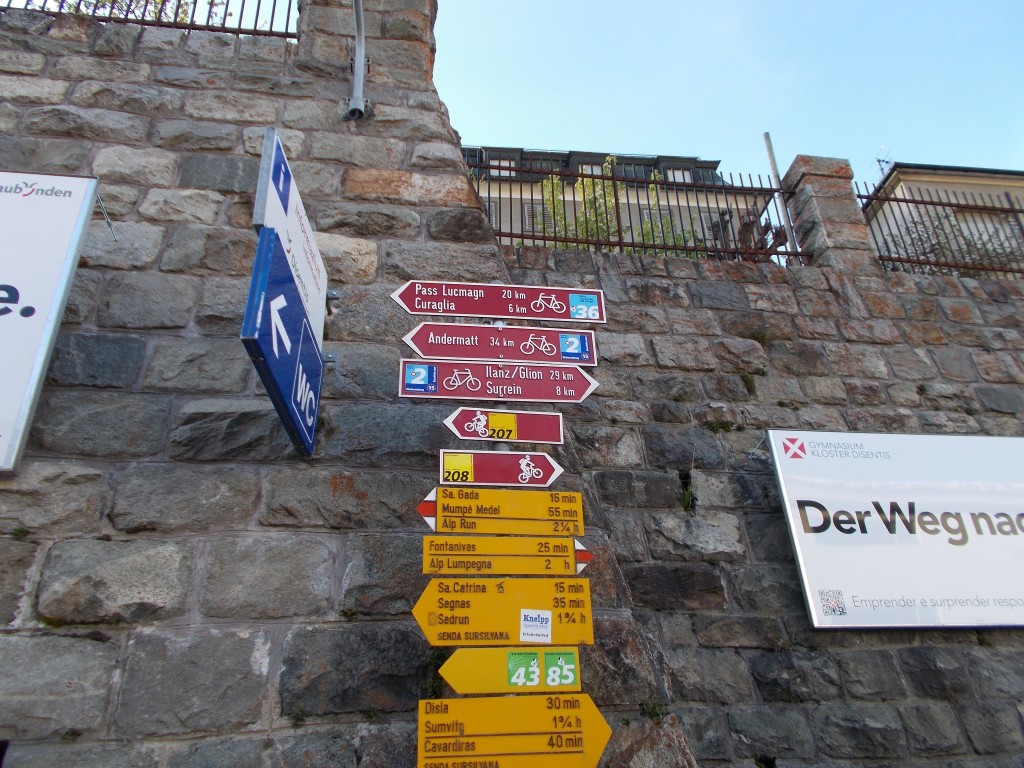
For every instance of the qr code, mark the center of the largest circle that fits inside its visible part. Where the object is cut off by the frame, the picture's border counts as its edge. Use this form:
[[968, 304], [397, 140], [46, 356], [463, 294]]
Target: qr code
[[832, 603]]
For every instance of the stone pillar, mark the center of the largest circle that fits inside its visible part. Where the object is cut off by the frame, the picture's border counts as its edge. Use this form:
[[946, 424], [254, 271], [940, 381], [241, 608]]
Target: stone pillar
[[399, 41], [828, 220]]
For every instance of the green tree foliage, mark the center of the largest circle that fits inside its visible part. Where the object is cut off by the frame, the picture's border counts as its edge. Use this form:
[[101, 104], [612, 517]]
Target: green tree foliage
[[594, 217], [660, 229], [595, 210], [169, 12]]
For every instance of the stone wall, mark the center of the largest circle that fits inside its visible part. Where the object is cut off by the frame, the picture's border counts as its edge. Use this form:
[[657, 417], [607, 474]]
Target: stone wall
[[178, 589], [709, 355]]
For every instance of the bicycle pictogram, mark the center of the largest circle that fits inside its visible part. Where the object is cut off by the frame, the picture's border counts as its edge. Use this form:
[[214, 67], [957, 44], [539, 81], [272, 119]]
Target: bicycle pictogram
[[458, 378], [548, 301], [537, 344], [477, 424], [529, 470]]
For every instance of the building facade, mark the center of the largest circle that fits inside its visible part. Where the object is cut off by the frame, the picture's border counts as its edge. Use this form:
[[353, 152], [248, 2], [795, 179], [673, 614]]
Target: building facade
[[681, 205], [960, 220]]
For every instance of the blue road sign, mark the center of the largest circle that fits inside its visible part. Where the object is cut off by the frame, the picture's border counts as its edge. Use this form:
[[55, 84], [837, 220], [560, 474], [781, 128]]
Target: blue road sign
[[277, 335], [279, 205], [281, 176]]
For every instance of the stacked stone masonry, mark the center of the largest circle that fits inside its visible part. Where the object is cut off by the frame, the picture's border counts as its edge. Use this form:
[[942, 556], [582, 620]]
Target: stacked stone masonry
[[178, 589]]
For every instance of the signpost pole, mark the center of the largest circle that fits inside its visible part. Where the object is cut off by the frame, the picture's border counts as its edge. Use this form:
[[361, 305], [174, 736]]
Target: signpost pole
[[519, 364]]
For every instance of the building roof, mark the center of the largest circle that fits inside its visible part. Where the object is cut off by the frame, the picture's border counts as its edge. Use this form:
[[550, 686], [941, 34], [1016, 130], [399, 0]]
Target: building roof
[[572, 157], [895, 170], [535, 164]]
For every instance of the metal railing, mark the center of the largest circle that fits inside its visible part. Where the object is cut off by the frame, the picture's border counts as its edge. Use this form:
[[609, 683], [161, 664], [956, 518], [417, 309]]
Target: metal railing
[[634, 209], [944, 232], [275, 18]]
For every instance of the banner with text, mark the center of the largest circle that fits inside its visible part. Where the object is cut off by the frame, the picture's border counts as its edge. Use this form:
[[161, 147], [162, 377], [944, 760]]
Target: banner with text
[[905, 530], [43, 219]]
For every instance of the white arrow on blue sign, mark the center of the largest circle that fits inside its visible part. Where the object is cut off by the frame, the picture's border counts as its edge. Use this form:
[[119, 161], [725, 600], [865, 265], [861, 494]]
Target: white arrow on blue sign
[[278, 336], [278, 205]]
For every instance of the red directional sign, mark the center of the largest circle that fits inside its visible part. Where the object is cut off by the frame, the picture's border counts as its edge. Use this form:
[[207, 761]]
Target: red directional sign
[[506, 343], [498, 468], [506, 426], [526, 302], [470, 380]]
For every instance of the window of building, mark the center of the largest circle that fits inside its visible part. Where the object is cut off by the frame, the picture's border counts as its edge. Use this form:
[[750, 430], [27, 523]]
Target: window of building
[[537, 218], [717, 226], [542, 165], [505, 168], [682, 175], [634, 172], [655, 214]]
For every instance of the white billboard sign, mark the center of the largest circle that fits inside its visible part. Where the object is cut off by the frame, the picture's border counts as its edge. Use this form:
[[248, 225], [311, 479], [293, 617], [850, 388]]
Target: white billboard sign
[[279, 206], [905, 530], [42, 219]]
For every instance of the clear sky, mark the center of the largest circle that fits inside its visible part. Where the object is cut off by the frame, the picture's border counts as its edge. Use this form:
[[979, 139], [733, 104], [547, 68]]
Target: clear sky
[[936, 81]]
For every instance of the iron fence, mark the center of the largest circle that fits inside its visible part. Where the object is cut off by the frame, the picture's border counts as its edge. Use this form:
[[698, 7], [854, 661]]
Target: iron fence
[[633, 208], [276, 18], [930, 231]]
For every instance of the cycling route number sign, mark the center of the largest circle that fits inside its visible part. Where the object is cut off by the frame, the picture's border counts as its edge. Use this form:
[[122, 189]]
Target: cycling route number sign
[[471, 380], [498, 468], [522, 302], [503, 343], [506, 426]]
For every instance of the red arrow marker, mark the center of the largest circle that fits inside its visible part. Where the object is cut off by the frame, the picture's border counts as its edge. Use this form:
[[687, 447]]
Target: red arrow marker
[[506, 426], [428, 510], [511, 382], [526, 302], [506, 343], [498, 468], [584, 557]]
